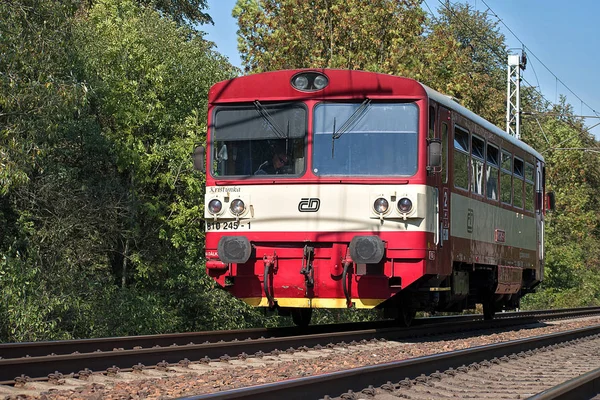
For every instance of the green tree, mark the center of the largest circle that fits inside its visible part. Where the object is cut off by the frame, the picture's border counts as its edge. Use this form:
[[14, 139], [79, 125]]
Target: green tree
[[39, 100], [36, 89], [327, 34], [464, 55], [150, 80], [573, 229], [184, 12], [100, 108]]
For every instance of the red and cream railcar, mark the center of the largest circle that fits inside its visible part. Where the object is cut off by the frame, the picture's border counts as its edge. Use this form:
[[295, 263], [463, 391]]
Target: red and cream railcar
[[337, 188]]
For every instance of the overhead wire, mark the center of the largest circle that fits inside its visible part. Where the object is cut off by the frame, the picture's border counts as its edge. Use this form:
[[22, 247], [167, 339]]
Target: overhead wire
[[529, 51], [505, 55], [429, 8], [494, 50], [582, 102]]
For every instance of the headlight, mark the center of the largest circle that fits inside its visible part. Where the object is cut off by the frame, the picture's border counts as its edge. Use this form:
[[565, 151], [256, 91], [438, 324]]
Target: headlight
[[381, 205], [404, 205], [320, 82], [301, 82], [215, 206], [309, 81], [237, 207]]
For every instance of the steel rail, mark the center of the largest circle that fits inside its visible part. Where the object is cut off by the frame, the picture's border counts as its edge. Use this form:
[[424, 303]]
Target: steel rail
[[336, 383], [585, 386], [43, 348], [101, 360], [42, 366], [59, 347]]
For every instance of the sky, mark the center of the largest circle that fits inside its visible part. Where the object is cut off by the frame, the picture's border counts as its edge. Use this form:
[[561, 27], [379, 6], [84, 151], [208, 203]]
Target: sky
[[562, 40]]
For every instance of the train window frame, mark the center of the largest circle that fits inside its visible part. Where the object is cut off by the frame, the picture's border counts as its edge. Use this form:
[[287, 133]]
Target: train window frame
[[506, 172], [519, 167], [462, 149], [431, 133], [492, 163], [268, 143], [480, 147], [540, 185], [529, 186], [529, 167], [518, 182], [492, 157], [477, 165], [333, 103], [444, 134], [506, 167]]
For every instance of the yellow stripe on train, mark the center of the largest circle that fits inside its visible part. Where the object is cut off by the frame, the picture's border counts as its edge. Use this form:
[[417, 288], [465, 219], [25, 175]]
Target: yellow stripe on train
[[312, 303]]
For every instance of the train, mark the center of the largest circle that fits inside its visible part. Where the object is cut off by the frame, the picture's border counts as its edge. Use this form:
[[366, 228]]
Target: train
[[339, 189]]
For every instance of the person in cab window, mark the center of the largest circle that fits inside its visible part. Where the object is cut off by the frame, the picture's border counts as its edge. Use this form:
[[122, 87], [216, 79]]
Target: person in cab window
[[275, 165]]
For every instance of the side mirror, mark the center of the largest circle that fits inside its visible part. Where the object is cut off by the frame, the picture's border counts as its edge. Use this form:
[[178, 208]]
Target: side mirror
[[199, 159], [551, 201], [434, 154]]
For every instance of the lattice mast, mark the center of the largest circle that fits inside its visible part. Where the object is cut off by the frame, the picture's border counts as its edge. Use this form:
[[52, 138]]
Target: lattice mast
[[513, 94]]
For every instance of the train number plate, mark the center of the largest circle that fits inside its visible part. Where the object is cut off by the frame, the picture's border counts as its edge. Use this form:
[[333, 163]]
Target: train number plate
[[227, 226]]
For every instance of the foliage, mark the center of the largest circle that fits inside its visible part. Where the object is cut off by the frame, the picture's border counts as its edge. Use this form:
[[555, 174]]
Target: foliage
[[584, 291], [333, 34], [336, 316], [188, 12], [27, 309], [100, 109], [464, 56], [36, 88], [151, 86], [573, 230]]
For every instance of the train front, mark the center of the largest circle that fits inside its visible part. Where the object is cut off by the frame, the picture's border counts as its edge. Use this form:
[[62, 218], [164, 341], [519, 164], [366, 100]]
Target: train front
[[316, 192]]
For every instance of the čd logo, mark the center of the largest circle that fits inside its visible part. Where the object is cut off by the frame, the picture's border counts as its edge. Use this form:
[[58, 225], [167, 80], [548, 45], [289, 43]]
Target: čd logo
[[307, 204]]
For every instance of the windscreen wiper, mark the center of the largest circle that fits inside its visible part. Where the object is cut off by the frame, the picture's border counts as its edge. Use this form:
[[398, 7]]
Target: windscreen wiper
[[267, 117], [356, 115], [351, 119]]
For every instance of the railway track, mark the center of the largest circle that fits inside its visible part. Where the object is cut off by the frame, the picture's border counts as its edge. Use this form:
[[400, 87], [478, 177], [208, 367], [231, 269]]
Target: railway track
[[47, 360], [564, 365]]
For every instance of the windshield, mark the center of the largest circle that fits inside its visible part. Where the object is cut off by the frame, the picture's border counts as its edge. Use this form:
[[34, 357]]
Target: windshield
[[380, 141], [259, 139]]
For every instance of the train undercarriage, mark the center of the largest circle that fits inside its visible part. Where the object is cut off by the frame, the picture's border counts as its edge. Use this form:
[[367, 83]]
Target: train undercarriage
[[467, 286]]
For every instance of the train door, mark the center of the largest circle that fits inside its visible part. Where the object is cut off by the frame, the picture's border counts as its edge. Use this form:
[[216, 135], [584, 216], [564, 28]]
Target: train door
[[435, 262], [539, 214], [444, 122]]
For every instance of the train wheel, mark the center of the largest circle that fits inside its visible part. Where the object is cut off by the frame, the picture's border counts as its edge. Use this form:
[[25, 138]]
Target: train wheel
[[301, 316], [489, 309]]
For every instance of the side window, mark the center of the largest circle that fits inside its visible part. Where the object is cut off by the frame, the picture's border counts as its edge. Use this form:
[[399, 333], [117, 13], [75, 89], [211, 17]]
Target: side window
[[529, 186], [493, 166], [461, 158], [444, 152], [506, 178], [478, 154], [518, 177]]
